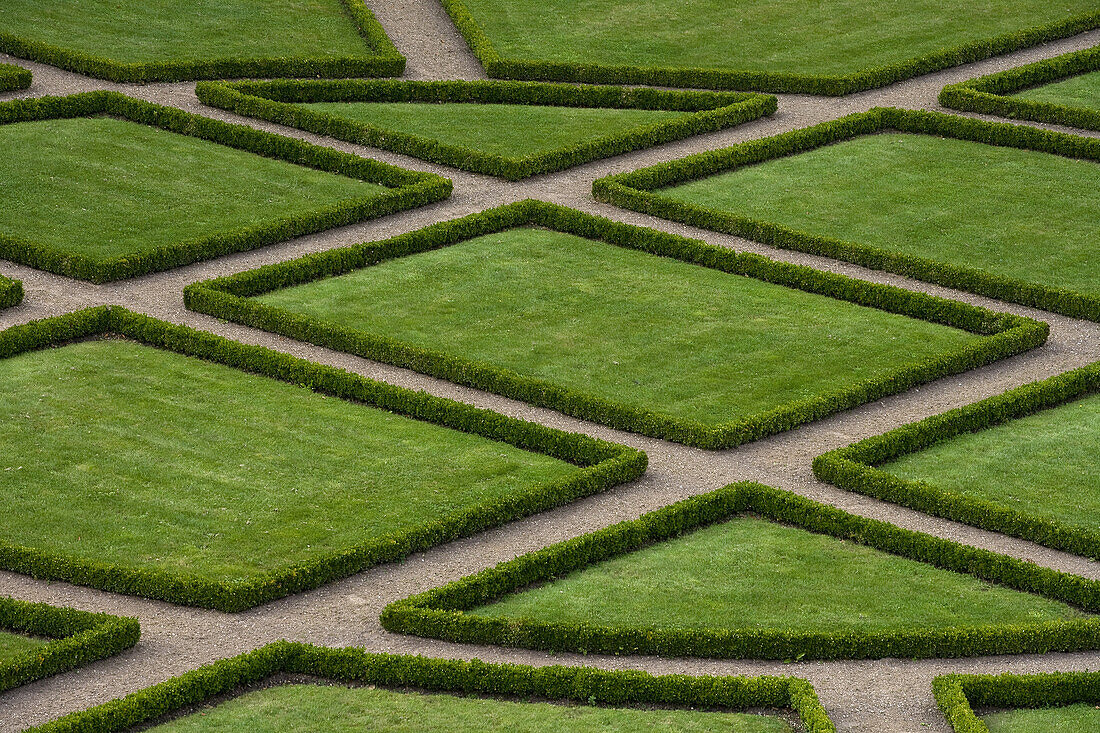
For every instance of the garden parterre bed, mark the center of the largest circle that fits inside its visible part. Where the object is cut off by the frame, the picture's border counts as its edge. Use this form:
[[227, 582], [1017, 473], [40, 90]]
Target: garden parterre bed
[[1060, 702]]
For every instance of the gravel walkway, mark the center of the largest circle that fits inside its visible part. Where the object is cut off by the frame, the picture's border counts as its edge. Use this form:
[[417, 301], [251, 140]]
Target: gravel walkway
[[887, 695]]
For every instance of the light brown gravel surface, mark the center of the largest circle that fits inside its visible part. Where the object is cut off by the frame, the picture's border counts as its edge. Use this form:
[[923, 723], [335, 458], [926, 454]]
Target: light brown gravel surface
[[883, 695]]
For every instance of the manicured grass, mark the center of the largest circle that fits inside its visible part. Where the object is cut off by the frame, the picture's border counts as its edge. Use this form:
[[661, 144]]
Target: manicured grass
[[13, 645], [651, 332], [1076, 91], [1008, 212], [163, 30], [751, 573], [104, 188], [509, 130], [1069, 719], [128, 455], [797, 36], [301, 708], [1046, 464]]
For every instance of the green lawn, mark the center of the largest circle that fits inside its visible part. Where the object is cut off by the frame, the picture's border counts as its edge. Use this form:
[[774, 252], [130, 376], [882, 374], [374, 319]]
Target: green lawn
[[1076, 91], [1009, 212], [753, 573], [106, 188], [624, 325], [302, 708], [508, 130], [164, 30], [796, 36], [1070, 719], [12, 645], [126, 454], [1046, 464]]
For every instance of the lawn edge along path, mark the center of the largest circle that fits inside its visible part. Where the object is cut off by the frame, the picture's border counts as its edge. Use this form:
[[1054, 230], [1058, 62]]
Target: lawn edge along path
[[958, 694], [354, 666], [76, 638], [440, 613], [13, 78], [603, 465], [853, 468], [637, 191], [383, 61], [280, 102], [992, 94], [230, 298], [409, 189]]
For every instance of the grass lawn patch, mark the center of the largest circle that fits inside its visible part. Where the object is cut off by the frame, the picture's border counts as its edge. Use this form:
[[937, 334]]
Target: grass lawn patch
[[13, 77], [295, 687], [1064, 90], [101, 187], [1000, 210], [159, 40], [794, 46], [1061, 702], [1023, 463], [753, 572], [545, 304], [1068, 719], [162, 472], [38, 640], [508, 129]]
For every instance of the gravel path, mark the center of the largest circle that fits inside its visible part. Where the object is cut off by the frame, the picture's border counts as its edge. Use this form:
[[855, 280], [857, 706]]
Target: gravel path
[[887, 695]]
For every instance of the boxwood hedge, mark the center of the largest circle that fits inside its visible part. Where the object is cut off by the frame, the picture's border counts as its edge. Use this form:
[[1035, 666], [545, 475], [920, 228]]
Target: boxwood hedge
[[281, 101], [231, 298], [383, 60], [854, 468], [440, 613], [409, 189], [13, 78], [76, 638], [638, 190], [284, 660], [604, 465], [958, 694], [11, 292]]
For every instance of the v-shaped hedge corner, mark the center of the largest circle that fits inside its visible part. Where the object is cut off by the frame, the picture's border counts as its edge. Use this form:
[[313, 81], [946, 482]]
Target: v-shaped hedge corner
[[441, 613], [11, 292], [958, 694], [13, 78]]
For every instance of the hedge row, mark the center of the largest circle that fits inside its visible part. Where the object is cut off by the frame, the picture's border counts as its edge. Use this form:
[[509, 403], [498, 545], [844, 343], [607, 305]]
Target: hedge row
[[991, 94], [355, 666], [78, 638], [440, 613], [409, 189], [638, 190], [854, 468], [13, 78], [603, 465], [11, 292], [281, 101], [764, 81], [958, 694], [383, 61], [230, 298]]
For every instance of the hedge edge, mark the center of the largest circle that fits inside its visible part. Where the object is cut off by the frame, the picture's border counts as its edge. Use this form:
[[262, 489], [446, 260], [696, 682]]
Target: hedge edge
[[409, 188], [576, 684], [13, 78], [991, 94], [957, 693], [385, 61], [281, 102], [229, 298], [77, 638], [440, 613], [637, 191], [603, 465], [854, 468], [776, 82], [11, 292]]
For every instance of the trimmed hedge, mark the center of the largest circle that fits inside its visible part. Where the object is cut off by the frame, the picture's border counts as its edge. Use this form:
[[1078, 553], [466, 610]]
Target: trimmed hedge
[[638, 191], [11, 292], [13, 78], [230, 298], [573, 684], [854, 468], [498, 67], [991, 94], [440, 613], [958, 694], [410, 189], [280, 101], [384, 61], [604, 465], [78, 638]]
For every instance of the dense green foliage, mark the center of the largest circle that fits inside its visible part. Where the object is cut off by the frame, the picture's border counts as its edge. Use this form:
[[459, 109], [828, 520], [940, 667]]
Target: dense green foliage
[[1062, 701], [13, 77], [11, 292]]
